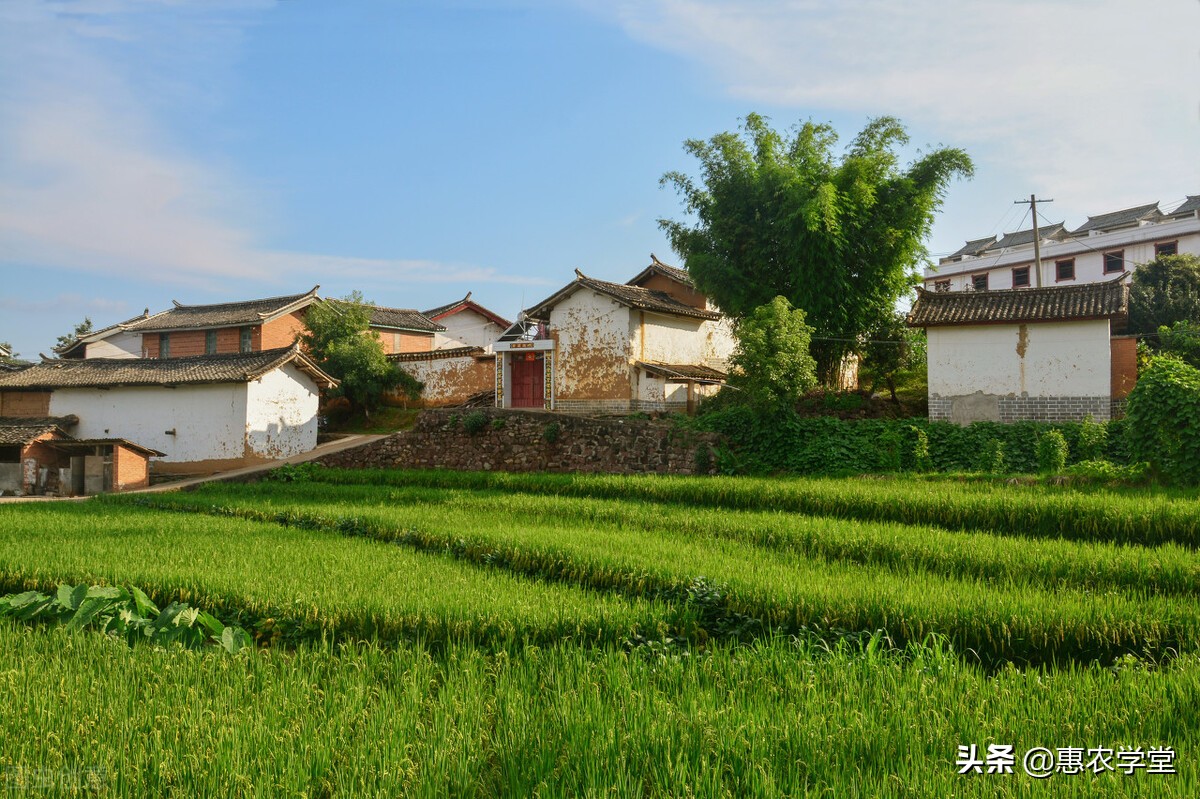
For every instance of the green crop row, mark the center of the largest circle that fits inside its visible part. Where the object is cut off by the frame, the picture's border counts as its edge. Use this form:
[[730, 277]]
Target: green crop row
[[1128, 517], [747, 588], [901, 549], [300, 583], [82, 715]]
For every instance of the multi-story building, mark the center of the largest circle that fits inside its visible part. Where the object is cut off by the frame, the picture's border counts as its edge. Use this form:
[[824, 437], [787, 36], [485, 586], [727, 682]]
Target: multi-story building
[[1100, 249]]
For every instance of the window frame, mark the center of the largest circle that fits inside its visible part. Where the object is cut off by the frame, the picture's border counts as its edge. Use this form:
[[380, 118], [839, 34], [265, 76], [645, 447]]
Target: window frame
[[210, 342], [1173, 244], [1058, 270], [164, 345], [246, 339], [1119, 255], [941, 286], [1028, 277], [975, 281]]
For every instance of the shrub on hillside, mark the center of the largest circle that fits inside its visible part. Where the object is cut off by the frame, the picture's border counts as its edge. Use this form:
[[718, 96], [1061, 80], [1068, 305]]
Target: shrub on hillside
[[1051, 452], [1164, 420]]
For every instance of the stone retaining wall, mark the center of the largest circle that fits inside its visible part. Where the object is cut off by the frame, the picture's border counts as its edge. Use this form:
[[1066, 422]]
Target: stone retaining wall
[[535, 441]]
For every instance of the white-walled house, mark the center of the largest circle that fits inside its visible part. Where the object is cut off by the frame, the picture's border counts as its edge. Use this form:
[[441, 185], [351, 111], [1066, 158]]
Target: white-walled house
[[1044, 354], [466, 323], [652, 344], [1104, 247], [204, 413]]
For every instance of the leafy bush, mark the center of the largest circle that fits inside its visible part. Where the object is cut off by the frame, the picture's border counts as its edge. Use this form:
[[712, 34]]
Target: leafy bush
[[1101, 471], [474, 422], [703, 461], [772, 366], [991, 457], [916, 449], [296, 472], [498, 423], [551, 432], [125, 613], [1164, 420], [1051, 452], [1093, 440], [1182, 339], [890, 450]]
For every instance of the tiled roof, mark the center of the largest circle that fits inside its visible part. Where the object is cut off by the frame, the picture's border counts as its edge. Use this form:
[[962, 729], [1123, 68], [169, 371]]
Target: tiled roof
[[657, 266], [67, 350], [13, 365], [18, 431], [1010, 306], [78, 444], [466, 303], [1127, 216], [1021, 237], [972, 248], [1189, 207], [198, 369], [684, 371], [636, 297], [226, 314], [435, 355], [402, 319]]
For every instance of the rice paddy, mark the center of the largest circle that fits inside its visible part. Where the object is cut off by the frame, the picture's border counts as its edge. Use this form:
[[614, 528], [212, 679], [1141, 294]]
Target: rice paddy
[[432, 634]]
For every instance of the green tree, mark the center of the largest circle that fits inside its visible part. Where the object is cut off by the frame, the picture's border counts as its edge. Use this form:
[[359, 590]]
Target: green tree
[[81, 329], [894, 352], [339, 338], [1163, 292], [840, 237], [772, 366], [1182, 340]]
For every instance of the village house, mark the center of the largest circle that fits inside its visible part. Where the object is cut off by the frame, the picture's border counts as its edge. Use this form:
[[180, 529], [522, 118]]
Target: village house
[[652, 344], [1103, 247], [466, 323], [37, 456], [201, 412], [1045, 354]]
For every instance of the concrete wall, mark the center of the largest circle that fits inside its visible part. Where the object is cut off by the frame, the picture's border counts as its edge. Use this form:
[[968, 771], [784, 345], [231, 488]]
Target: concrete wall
[[209, 421], [1051, 371], [467, 328], [118, 345], [281, 414]]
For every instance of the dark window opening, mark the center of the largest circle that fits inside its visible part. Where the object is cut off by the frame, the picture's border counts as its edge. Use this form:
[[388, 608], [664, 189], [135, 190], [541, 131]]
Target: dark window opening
[[1064, 270], [210, 342], [164, 345], [979, 282], [1114, 262], [941, 285], [246, 342], [1020, 277], [1166, 248]]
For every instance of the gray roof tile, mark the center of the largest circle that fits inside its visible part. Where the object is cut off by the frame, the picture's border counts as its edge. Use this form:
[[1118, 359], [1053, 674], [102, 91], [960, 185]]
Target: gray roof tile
[[1127, 216], [1009, 306], [226, 314], [636, 297]]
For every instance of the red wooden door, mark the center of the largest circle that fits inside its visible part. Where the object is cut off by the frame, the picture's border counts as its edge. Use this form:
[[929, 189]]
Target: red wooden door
[[528, 387]]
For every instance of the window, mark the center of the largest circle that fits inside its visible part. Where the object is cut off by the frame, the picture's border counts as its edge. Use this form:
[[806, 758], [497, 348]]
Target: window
[[1064, 270], [1114, 262], [979, 282], [1020, 277], [210, 342], [941, 285], [247, 342], [164, 345], [1166, 248]]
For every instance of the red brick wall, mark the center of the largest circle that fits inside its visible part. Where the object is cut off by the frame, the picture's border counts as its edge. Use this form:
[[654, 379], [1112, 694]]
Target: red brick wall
[[408, 342], [282, 332], [130, 469], [1124, 365], [45, 457], [26, 404], [194, 342]]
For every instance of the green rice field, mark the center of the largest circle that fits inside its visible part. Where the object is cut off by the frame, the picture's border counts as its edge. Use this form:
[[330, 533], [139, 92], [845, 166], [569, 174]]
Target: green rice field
[[450, 634]]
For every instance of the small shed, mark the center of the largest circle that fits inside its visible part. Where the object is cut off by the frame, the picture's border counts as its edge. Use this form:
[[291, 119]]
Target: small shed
[[101, 465], [28, 462]]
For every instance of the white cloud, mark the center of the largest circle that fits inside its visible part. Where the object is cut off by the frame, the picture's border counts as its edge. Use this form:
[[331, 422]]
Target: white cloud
[[1095, 100], [92, 179]]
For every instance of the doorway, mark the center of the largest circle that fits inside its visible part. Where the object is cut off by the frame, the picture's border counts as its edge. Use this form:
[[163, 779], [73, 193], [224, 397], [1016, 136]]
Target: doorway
[[528, 388]]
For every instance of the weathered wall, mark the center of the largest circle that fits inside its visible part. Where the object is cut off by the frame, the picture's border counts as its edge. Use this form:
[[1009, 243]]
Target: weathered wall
[[281, 414], [394, 341], [594, 349], [1124, 366], [130, 469], [450, 381], [208, 421], [25, 404], [619, 446], [467, 328], [685, 294], [1051, 371]]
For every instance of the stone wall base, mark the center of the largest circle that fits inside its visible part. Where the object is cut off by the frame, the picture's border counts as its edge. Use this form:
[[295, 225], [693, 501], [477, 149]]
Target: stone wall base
[[1013, 408]]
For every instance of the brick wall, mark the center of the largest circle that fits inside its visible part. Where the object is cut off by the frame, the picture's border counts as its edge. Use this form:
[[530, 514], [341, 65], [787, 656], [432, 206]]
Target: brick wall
[[394, 341], [1040, 409], [25, 404], [281, 332], [131, 469], [616, 446]]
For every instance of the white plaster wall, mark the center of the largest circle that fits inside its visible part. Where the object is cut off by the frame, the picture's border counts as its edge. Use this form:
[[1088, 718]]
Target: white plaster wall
[[594, 347], [676, 339], [281, 413], [467, 329], [209, 421], [1060, 359], [118, 345]]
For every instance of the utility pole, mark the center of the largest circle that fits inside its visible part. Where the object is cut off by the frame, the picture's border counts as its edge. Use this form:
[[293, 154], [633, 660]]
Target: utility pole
[[1037, 238]]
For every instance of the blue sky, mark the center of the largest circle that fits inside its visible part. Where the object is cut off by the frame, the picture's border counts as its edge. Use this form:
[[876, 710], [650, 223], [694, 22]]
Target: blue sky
[[209, 151]]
